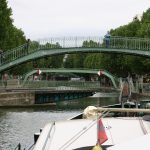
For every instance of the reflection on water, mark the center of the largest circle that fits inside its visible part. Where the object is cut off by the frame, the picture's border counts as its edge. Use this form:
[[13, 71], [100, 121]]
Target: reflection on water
[[90, 101], [20, 124]]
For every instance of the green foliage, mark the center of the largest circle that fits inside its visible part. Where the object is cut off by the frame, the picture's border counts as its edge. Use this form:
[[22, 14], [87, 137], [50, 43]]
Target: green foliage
[[10, 36], [80, 60], [21, 69], [49, 45], [131, 64], [118, 64], [90, 44], [144, 30], [56, 61], [5, 23], [129, 30], [121, 65], [93, 61], [74, 61]]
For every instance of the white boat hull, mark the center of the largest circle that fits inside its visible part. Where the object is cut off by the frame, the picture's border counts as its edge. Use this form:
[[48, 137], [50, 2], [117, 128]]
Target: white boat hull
[[74, 134]]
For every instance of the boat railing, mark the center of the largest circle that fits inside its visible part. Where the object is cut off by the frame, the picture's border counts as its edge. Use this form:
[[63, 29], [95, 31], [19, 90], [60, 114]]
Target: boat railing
[[101, 109], [31, 147], [18, 147], [44, 137]]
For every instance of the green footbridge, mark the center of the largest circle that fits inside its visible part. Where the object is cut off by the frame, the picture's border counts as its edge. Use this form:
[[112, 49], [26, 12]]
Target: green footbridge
[[114, 79], [68, 45]]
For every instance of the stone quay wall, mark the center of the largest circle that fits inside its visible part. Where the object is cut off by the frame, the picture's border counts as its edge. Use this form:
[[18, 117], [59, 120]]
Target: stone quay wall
[[17, 98]]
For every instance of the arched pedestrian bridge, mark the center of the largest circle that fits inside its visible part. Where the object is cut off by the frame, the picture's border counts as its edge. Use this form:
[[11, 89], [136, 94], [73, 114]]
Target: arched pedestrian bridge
[[68, 45], [46, 91], [114, 79]]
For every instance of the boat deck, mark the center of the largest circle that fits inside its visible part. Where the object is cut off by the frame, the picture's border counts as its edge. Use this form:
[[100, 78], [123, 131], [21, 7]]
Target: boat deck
[[81, 134]]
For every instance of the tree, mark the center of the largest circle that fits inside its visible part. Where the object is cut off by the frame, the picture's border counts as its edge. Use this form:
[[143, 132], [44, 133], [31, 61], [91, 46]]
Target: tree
[[93, 61], [74, 61], [132, 64], [10, 36], [5, 23]]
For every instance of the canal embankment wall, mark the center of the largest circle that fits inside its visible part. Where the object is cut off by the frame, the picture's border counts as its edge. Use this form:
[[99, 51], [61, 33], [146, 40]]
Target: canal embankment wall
[[27, 98], [17, 98], [9, 97]]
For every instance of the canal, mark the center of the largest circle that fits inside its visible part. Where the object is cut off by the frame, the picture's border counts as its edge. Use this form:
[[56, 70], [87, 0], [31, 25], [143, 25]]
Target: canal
[[18, 125]]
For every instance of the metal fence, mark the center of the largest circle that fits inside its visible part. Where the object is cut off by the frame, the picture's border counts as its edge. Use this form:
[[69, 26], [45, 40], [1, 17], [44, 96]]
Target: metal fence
[[54, 85], [62, 85], [75, 42]]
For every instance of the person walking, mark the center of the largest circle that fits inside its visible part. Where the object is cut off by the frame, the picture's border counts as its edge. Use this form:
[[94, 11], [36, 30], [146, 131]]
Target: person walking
[[107, 39], [27, 46], [5, 78]]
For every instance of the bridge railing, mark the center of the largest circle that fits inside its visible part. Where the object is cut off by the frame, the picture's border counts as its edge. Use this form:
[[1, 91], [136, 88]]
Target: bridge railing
[[130, 43], [62, 84], [75, 42], [13, 54], [87, 42], [115, 80]]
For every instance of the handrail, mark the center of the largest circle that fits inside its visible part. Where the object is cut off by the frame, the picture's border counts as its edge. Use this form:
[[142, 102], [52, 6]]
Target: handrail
[[113, 78], [21, 46], [31, 147], [44, 138], [18, 147], [100, 109], [78, 85], [67, 42], [60, 45], [126, 37]]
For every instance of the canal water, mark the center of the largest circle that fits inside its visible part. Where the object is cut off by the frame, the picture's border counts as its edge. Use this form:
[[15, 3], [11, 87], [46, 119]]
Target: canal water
[[18, 125]]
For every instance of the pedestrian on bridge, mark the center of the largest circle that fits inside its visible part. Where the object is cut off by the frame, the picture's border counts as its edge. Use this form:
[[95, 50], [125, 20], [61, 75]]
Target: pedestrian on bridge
[[27, 46], [107, 39]]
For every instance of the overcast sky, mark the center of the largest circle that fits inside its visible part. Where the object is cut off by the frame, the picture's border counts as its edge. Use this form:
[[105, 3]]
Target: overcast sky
[[53, 18]]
